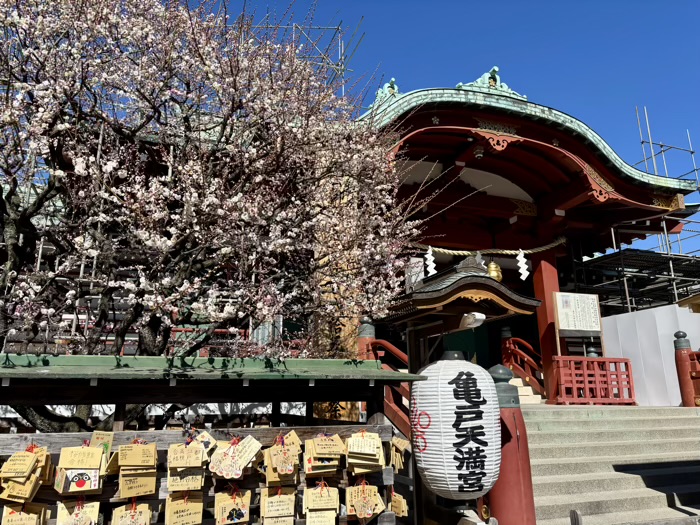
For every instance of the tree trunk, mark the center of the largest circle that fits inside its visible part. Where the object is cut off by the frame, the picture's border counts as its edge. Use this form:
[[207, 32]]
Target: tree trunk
[[43, 420]]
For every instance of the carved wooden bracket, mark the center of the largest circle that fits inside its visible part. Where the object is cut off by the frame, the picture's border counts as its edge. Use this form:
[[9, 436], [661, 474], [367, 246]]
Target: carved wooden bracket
[[601, 189], [671, 203], [497, 141]]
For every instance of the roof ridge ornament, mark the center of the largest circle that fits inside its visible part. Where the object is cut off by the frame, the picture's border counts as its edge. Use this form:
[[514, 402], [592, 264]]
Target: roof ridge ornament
[[388, 91], [491, 81]]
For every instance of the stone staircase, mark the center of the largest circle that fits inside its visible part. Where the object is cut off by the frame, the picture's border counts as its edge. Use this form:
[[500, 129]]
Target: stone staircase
[[526, 393], [616, 465]]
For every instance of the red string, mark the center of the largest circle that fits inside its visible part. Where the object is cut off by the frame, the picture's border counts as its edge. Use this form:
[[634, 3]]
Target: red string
[[139, 441], [86, 442], [80, 503], [279, 491], [363, 483], [133, 506], [31, 448], [234, 490], [191, 435], [321, 485], [186, 496]]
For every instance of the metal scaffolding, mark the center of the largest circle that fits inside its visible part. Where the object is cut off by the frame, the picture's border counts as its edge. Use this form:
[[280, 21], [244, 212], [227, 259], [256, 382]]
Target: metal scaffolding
[[628, 279]]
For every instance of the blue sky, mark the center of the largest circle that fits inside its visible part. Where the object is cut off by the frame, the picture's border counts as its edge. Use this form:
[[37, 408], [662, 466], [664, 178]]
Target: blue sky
[[593, 59]]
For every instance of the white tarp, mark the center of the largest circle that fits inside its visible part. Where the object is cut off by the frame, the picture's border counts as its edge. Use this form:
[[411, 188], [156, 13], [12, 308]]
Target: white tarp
[[646, 339]]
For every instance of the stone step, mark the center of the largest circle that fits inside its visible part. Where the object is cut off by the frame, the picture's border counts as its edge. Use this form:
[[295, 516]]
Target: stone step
[[531, 400], [592, 503], [616, 448], [526, 391], [611, 435], [662, 516], [611, 424], [559, 413], [584, 465], [610, 481]]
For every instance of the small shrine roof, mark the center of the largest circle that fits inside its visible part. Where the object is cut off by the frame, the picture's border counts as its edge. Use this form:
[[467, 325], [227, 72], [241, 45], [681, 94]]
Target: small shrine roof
[[468, 281]]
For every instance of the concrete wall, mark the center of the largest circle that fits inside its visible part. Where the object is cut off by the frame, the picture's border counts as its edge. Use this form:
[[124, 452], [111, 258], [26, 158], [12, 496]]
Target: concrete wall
[[646, 339]]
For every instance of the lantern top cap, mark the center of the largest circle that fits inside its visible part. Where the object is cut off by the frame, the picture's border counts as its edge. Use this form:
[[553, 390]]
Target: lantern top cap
[[500, 374], [452, 355]]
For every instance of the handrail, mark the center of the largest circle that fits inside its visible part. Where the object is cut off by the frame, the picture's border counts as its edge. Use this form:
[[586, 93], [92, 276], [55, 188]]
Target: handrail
[[526, 358], [524, 343], [523, 365], [387, 346], [594, 380], [396, 397], [531, 352]]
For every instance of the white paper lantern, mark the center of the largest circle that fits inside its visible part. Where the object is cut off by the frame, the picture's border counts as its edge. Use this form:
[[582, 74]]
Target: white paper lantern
[[456, 429]]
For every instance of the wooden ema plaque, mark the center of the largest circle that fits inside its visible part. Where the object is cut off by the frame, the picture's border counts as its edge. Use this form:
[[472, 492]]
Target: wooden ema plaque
[[187, 491]]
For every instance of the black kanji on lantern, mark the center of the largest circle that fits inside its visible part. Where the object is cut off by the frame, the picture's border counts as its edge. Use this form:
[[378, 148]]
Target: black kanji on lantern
[[471, 481], [472, 458], [470, 435], [469, 445], [467, 389]]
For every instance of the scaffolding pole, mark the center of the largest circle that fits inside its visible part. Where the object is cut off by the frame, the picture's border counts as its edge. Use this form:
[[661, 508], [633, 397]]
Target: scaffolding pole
[[692, 156], [670, 264], [641, 138]]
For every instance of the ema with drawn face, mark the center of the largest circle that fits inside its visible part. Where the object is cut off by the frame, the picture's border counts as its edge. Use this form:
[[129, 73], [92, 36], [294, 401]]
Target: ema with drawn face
[[81, 479]]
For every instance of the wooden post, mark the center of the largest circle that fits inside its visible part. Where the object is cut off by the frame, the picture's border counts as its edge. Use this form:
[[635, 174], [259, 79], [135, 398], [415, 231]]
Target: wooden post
[[683, 369], [309, 415], [512, 500], [575, 517], [119, 416], [375, 405], [276, 415], [546, 282]]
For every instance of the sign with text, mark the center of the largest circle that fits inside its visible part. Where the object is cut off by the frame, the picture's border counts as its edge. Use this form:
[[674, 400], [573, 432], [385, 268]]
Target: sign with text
[[577, 312]]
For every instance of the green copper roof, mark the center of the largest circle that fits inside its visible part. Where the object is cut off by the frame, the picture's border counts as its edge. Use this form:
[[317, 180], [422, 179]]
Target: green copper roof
[[195, 368], [391, 105]]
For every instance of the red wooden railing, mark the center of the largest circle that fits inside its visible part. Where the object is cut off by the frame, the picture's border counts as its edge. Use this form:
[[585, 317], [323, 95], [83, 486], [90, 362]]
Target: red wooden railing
[[396, 397], [524, 361], [594, 381]]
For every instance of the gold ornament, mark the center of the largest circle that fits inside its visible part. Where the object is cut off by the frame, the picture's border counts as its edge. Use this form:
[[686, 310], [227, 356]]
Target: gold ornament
[[495, 271]]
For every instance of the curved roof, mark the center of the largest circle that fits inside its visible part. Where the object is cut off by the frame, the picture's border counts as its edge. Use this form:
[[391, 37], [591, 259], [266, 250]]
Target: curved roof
[[466, 287], [389, 108]]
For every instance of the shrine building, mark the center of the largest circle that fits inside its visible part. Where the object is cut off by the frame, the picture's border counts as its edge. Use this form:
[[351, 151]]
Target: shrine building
[[516, 197]]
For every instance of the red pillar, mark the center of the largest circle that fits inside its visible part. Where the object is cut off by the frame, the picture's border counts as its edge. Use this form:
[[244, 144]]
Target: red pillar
[[684, 370], [546, 282], [511, 500]]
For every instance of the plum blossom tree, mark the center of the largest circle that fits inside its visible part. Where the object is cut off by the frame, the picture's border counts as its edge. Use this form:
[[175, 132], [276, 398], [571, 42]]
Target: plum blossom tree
[[164, 166], [183, 168]]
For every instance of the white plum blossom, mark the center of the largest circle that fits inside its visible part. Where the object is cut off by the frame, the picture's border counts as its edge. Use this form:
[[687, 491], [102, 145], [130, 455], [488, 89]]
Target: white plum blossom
[[192, 171]]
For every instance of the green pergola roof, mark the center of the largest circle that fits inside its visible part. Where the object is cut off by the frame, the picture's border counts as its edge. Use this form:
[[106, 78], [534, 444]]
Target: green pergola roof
[[71, 380], [196, 368]]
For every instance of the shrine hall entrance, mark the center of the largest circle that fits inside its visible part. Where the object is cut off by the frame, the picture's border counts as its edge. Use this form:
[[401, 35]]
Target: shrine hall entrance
[[461, 308]]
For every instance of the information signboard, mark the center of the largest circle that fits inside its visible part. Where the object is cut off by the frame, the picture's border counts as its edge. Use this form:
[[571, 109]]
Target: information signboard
[[577, 315]]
